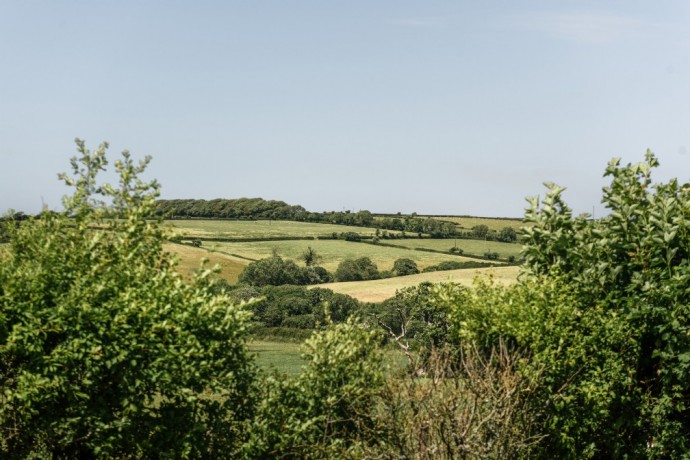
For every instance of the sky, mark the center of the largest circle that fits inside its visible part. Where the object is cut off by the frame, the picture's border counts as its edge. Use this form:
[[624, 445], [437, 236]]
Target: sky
[[434, 107]]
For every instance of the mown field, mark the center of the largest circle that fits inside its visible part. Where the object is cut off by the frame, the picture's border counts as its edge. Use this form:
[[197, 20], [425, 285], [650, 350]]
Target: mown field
[[332, 252], [259, 228], [470, 247], [380, 290], [466, 223], [190, 260]]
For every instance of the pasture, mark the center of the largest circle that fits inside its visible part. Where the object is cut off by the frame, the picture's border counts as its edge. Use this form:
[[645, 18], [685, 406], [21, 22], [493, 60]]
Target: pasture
[[470, 247], [332, 252], [380, 290], [259, 228], [285, 358]]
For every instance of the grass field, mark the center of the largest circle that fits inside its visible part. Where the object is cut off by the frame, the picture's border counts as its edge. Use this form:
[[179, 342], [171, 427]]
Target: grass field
[[190, 260], [259, 228], [286, 357], [380, 290], [466, 223], [282, 357], [332, 251], [470, 247]]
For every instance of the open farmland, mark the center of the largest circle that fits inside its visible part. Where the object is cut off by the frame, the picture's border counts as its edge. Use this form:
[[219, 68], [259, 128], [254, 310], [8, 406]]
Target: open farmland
[[380, 290], [332, 252], [470, 247], [466, 223], [246, 229], [190, 260]]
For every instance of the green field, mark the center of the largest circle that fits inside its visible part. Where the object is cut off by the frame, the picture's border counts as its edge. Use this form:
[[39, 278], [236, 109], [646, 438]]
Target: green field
[[380, 290], [470, 247], [285, 358], [332, 251], [259, 228], [282, 357]]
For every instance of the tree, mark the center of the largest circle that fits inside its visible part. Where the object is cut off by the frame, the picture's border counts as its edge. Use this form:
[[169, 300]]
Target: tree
[[361, 269], [480, 231], [104, 350], [403, 266], [272, 271], [507, 235], [311, 257]]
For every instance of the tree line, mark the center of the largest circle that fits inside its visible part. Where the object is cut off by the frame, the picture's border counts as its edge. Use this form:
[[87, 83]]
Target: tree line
[[258, 208]]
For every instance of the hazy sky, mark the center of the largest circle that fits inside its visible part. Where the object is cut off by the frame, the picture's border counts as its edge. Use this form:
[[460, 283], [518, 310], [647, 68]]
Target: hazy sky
[[444, 107]]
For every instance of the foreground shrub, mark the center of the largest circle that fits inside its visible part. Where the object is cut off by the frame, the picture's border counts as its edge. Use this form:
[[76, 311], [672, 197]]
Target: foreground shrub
[[603, 312], [466, 406], [104, 350], [634, 266], [326, 411]]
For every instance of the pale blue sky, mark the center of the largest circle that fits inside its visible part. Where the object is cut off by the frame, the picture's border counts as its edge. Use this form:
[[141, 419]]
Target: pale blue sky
[[453, 107]]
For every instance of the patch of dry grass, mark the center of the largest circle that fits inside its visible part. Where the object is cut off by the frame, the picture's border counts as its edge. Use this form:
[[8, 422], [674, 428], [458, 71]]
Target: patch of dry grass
[[380, 290], [466, 223], [190, 260]]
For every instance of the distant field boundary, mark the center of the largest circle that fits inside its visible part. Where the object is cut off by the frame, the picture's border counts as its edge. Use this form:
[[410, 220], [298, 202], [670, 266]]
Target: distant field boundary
[[447, 253], [463, 216], [250, 239]]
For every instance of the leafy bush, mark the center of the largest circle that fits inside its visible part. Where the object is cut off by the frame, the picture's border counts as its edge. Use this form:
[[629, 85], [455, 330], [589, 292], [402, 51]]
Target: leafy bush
[[280, 303], [634, 266], [402, 267], [472, 407], [456, 250], [276, 271], [507, 235], [104, 350], [489, 255], [455, 265], [361, 269], [350, 236], [326, 411], [603, 313], [272, 271]]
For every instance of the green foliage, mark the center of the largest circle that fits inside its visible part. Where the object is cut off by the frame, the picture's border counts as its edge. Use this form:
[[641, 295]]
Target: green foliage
[[276, 271], [361, 269], [404, 266], [326, 411], [507, 235], [480, 231], [634, 265], [298, 307], [413, 318], [311, 257], [603, 313], [490, 255], [467, 407], [104, 350], [272, 271], [456, 265], [242, 208]]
